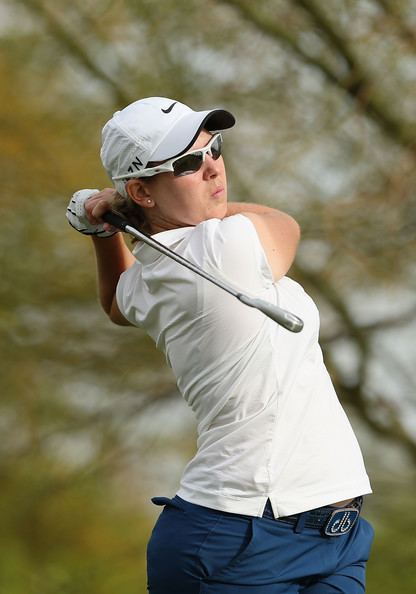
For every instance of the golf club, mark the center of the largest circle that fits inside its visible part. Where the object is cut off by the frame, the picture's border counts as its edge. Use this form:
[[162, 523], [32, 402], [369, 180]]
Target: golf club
[[277, 314]]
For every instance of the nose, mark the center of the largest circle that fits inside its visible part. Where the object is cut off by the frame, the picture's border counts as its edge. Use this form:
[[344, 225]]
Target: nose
[[211, 167]]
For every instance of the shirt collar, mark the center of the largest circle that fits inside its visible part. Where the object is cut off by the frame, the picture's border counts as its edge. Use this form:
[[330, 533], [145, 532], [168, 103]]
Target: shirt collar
[[146, 254]]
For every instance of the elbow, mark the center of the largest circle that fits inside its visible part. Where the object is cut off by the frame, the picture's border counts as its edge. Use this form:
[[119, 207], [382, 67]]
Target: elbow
[[294, 231], [298, 231], [296, 227], [292, 239]]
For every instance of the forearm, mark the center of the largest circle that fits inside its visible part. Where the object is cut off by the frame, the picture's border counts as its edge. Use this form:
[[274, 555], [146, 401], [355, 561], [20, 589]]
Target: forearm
[[239, 207], [113, 257], [281, 220]]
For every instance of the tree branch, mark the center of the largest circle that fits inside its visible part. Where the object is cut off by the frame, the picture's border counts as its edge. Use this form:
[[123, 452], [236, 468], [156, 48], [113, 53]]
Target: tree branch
[[388, 424], [391, 428], [390, 9], [320, 19], [75, 48], [384, 324], [356, 84]]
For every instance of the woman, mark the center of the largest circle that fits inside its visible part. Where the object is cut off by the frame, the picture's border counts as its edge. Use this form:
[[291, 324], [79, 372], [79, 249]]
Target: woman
[[270, 502]]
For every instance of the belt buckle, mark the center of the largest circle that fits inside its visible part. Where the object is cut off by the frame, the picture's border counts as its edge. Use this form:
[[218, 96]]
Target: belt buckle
[[341, 521]]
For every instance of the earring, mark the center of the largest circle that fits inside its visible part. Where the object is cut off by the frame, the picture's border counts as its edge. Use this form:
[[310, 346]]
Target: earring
[[149, 201]]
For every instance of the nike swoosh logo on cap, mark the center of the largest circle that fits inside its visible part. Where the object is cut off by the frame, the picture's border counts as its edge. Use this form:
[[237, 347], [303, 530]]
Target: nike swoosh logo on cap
[[169, 109]]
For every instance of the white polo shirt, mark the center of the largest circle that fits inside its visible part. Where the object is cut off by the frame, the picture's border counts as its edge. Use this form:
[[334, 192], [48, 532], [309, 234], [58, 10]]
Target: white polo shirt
[[269, 421]]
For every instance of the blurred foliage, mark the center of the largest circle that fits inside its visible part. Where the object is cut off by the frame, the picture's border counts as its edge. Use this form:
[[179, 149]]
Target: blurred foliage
[[60, 535], [391, 567], [324, 94]]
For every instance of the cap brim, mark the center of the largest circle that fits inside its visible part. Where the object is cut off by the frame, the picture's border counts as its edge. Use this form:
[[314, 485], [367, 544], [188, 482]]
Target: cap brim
[[186, 130]]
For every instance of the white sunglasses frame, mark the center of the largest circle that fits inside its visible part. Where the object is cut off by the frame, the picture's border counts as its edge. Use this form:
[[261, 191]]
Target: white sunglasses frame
[[168, 165]]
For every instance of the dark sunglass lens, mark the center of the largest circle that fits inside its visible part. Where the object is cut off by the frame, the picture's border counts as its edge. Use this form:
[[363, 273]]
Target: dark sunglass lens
[[216, 148], [187, 164]]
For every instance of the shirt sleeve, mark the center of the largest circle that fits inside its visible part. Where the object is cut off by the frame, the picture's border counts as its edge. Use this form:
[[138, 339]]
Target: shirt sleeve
[[125, 292], [232, 247]]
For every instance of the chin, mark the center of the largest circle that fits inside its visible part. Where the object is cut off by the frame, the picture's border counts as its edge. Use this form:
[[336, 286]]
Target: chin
[[217, 214]]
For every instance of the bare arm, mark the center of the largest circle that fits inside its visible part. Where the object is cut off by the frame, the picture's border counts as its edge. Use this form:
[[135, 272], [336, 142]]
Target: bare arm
[[112, 255], [279, 233]]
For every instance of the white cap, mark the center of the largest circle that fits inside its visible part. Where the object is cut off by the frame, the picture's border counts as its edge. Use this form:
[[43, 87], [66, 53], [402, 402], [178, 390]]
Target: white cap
[[154, 129]]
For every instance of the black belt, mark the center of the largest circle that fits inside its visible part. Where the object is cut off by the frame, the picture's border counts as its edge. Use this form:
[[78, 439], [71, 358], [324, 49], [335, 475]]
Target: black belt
[[330, 520]]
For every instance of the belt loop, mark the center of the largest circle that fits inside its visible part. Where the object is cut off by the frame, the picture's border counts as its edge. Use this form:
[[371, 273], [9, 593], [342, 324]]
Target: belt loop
[[300, 523]]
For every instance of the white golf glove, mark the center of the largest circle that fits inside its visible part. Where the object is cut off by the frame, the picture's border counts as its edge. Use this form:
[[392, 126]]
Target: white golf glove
[[75, 213]]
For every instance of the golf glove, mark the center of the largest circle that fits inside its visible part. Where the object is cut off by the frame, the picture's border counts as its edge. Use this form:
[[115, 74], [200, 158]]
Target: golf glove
[[75, 213]]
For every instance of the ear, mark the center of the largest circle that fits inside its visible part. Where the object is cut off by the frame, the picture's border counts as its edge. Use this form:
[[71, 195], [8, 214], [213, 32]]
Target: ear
[[139, 192]]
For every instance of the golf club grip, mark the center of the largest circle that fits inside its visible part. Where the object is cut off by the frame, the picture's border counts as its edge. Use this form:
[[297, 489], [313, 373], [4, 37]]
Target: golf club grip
[[115, 220]]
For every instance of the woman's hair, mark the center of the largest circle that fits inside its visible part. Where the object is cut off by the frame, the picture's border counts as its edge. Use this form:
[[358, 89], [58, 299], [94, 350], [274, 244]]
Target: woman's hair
[[133, 213]]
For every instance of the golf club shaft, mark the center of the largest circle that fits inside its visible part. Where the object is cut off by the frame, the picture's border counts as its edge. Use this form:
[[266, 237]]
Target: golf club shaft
[[277, 314]]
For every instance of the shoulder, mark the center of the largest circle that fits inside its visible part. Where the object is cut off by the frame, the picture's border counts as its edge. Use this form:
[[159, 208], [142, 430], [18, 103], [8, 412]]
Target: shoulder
[[230, 246], [234, 230]]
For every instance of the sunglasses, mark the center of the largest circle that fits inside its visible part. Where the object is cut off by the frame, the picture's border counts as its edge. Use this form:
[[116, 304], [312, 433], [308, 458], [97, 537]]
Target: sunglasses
[[185, 164]]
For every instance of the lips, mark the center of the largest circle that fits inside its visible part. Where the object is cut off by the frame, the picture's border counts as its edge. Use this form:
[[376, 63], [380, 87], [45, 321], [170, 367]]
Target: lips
[[217, 192]]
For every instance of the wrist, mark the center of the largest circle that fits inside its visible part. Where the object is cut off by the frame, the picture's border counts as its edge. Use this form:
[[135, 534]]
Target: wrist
[[109, 242]]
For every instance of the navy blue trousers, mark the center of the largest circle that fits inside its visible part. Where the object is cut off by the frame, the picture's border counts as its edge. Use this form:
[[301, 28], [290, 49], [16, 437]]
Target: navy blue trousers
[[197, 550]]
